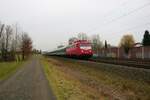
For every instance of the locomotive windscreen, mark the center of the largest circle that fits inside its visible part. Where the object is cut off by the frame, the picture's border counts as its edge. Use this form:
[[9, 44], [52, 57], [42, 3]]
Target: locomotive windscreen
[[85, 46]]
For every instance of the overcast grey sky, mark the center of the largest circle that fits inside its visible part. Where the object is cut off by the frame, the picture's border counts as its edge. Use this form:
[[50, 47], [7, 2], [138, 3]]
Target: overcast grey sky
[[51, 22]]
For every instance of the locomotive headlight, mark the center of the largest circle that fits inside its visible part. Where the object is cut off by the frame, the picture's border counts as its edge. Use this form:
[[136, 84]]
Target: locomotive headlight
[[82, 51]]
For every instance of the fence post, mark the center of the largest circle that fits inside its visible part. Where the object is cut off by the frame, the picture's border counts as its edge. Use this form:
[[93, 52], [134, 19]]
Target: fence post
[[142, 52], [118, 53]]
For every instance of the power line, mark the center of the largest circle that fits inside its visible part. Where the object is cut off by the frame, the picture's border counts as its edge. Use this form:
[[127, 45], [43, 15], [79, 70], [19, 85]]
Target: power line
[[124, 15], [135, 27], [122, 4], [113, 10]]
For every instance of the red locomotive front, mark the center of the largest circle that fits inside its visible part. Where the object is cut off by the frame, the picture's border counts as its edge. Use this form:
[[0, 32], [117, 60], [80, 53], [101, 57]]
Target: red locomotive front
[[79, 48]]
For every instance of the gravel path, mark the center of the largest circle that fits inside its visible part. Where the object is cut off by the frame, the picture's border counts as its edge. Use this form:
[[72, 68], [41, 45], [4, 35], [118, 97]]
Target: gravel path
[[29, 83]]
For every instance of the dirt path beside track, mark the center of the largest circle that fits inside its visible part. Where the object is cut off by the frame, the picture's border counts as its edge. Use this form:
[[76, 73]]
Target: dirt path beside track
[[29, 83]]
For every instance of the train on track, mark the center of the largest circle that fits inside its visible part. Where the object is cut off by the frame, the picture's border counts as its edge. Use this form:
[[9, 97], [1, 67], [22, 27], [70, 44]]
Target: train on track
[[75, 49]]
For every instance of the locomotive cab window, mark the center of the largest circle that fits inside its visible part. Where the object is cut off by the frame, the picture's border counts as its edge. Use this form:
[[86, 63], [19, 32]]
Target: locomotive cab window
[[85, 46]]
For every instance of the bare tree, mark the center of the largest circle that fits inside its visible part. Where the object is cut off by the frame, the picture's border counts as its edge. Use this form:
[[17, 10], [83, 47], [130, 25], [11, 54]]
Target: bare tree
[[1, 29], [82, 36], [96, 43], [26, 45], [6, 40], [16, 37], [13, 42], [9, 32], [1, 33], [2, 41]]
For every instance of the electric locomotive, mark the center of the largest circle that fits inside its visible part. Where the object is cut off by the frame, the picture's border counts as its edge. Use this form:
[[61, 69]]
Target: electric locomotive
[[79, 48]]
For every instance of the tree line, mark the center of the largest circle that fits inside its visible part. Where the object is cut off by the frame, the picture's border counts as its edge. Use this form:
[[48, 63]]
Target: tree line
[[14, 43], [127, 41]]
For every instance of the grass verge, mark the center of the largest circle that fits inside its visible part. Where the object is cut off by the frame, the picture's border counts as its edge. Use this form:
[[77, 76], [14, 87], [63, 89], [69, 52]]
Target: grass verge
[[67, 87], [8, 68], [74, 80]]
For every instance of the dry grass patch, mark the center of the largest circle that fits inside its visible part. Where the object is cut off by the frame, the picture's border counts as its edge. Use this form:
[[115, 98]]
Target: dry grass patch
[[67, 86], [75, 80]]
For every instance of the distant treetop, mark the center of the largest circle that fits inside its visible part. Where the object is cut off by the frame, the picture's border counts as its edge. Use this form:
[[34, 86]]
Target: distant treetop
[[146, 39]]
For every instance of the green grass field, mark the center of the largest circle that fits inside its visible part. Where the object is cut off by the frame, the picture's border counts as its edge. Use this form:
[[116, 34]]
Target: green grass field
[[8, 68], [74, 80]]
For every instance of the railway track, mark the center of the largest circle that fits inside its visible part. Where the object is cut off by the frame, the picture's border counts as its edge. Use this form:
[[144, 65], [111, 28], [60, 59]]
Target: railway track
[[126, 62], [137, 63]]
